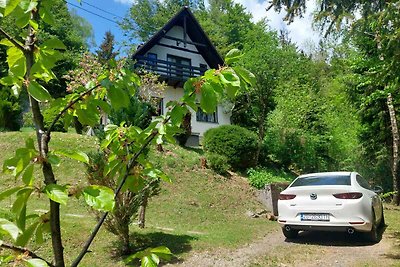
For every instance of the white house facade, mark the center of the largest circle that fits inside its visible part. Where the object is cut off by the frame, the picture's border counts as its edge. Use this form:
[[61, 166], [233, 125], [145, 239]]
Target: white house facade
[[178, 51]]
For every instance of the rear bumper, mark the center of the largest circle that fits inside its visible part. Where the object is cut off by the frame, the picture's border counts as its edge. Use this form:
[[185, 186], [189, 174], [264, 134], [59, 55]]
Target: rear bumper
[[326, 226]]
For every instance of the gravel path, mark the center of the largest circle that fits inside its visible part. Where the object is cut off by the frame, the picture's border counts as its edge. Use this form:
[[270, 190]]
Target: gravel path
[[322, 249]]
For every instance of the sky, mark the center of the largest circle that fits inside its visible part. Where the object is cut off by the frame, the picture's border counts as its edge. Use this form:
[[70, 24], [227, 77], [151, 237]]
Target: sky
[[110, 11]]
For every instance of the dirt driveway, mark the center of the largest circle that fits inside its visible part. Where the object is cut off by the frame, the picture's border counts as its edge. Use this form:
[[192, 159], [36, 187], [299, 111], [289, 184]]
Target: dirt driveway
[[310, 249]]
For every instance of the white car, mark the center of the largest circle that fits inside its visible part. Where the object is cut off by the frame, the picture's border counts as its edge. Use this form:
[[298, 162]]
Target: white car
[[330, 201]]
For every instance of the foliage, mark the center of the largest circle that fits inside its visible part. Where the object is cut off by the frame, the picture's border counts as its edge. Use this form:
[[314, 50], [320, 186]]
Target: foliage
[[238, 144], [151, 256], [106, 50], [218, 163], [186, 129], [48, 116], [224, 21], [30, 69], [27, 119], [127, 202], [10, 111], [258, 178], [138, 114]]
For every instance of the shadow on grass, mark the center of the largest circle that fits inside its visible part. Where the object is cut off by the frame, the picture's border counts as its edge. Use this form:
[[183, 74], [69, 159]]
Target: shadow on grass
[[197, 150], [396, 255], [178, 244], [339, 239]]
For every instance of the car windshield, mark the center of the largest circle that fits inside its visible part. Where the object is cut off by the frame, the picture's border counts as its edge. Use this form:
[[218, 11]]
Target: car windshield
[[323, 180]]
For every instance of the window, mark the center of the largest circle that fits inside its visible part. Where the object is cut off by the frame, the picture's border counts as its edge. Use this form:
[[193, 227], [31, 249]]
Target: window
[[179, 69], [203, 68], [323, 180], [202, 116], [152, 60], [362, 182]]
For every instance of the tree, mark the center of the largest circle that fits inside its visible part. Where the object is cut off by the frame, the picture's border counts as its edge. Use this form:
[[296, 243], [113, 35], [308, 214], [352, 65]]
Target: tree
[[379, 24], [30, 67], [106, 49]]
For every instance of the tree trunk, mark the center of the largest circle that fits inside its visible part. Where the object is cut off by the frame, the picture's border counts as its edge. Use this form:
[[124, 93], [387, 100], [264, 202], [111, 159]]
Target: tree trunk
[[142, 210], [125, 237], [43, 141], [261, 126], [396, 138]]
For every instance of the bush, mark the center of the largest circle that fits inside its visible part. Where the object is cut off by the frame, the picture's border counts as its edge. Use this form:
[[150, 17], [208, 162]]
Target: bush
[[138, 113], [10, 111], [27, 119], [218, 163], [48, 117], [236, 143], [258, 178]]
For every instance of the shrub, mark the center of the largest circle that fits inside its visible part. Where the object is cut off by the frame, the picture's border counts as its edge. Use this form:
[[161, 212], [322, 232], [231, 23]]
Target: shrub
[[138, 113], [48, 117], [10, 111], [27, 119], [218, 163], [258, 178], [236, 143], [186, 130]]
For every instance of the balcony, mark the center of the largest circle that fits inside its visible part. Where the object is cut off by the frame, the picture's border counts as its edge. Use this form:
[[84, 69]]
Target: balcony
[[174, 73]]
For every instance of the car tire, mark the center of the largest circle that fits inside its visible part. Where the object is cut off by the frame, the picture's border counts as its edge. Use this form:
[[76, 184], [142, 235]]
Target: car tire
[[382, 223], [373, 235], [291, 234]]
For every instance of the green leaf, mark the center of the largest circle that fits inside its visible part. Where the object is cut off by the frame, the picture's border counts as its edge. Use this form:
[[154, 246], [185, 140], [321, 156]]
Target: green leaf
[[9, 228], [54, 160], [57, 193], [46, 15], [233, 56], [77, 155], [16, 61], [162, 251], [34, 24], [10, 6], [147, 261], [23, 238], [9, 192], [36, 263], [38, 92], [209, 98], [99, 197], [53, 44], [118, 97], [27, 177], [246, 75], [6, 42]]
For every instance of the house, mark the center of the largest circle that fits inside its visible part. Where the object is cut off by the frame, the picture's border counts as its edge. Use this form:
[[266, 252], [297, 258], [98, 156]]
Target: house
[[178, 51]]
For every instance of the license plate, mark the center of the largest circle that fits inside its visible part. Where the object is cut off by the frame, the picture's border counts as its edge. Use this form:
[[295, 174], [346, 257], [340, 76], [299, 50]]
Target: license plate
[[314, 217]]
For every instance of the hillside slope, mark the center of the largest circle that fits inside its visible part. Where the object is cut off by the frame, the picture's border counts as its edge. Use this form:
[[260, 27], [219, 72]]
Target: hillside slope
[[198, 211]]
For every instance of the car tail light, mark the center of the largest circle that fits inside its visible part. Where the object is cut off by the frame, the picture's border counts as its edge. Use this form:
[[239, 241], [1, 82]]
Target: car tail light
[[286, 196], [352, 195]]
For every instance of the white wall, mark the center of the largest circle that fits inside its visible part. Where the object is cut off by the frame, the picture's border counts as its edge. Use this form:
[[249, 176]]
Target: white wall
[[171, 93], [198, 127], [162, 51]]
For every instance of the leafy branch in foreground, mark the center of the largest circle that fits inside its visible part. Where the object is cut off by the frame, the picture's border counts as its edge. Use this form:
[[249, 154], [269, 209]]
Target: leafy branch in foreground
[[30, 68]]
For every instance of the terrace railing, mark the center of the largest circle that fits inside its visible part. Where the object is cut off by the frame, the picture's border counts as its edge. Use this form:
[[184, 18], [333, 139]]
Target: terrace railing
[[167, 69]]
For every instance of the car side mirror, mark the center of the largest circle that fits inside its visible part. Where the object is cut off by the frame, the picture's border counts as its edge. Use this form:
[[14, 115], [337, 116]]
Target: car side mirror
[[377, 189]]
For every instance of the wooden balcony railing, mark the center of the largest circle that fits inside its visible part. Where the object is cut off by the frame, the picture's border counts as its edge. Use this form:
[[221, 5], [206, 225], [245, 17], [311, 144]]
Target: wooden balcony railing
[[167, 69]]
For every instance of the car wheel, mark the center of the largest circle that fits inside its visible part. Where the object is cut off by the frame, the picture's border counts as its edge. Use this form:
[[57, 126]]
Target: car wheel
[[382, 223], [290, 233], [373, 235]]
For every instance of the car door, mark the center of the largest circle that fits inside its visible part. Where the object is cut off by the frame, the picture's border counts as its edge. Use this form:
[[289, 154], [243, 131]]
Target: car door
[[375, 199]]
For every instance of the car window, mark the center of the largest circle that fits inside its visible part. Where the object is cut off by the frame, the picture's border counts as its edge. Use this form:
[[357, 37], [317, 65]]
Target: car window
[[323, 180], [362, 182]]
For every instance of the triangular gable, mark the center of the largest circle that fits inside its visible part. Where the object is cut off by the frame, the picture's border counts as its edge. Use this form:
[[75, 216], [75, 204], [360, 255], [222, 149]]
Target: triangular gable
[[196, 34]]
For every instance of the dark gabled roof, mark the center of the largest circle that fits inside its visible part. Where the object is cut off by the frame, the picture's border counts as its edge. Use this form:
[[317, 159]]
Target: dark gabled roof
[[194, 31]]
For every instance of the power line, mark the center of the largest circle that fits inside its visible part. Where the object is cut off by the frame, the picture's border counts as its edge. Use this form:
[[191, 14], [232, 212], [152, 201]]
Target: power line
[[91, 12], [98, 8]]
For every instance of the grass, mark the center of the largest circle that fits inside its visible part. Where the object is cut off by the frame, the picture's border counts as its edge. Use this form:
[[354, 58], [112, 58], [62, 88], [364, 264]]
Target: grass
[[198, 211]]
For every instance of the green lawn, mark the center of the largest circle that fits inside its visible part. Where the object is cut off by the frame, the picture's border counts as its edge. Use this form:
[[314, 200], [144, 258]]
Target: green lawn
[[198, 211]]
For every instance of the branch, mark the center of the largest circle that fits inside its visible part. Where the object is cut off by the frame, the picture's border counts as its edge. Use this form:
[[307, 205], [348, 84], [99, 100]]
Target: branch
[[68, 107], [130, 164], [24, 251], [12, 40]]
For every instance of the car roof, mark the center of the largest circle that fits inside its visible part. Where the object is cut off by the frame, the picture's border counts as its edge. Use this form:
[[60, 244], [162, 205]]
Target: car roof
[[326, 174]]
